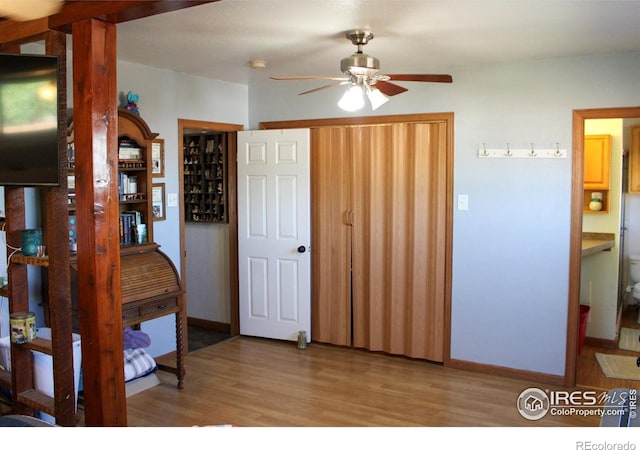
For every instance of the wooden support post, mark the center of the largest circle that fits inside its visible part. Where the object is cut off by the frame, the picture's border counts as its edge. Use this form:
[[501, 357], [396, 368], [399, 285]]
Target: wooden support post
[[96, 154], [56, 239], [21, 367]]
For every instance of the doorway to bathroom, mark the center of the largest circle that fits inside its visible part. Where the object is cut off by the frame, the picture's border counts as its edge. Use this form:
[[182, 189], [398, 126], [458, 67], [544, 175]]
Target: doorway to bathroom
[[580, 366]]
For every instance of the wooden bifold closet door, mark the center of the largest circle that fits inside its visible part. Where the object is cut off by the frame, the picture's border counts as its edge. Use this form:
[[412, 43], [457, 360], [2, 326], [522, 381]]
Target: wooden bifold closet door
[[378, 245]]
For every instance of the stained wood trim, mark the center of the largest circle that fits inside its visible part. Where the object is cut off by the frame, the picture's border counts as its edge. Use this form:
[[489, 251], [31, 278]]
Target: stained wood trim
[[447, 141], [577, 205], [232, 200], [599, 342], [352, 121], [208, 126], [488, 369], [209, 324]]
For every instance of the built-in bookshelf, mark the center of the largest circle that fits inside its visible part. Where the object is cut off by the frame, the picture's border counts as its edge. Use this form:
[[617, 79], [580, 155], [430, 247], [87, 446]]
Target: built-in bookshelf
[[205, 178]]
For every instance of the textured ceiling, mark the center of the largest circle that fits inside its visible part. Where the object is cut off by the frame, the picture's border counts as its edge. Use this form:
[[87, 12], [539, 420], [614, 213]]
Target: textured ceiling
[[307, 37]]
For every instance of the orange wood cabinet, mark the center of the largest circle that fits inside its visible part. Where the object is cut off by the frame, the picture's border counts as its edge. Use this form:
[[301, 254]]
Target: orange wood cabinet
[[634, 161], [597, 161], [597, 169]]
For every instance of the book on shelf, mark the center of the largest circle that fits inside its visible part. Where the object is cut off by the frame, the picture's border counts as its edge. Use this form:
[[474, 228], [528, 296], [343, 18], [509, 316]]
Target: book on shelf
[[132, 186], [128, 149], [139, 219], [127, 228], [130, 222], [127, 184]]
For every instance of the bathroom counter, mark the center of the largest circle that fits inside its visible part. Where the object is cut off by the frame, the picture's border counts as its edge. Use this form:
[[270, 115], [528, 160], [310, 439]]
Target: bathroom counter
[[597, 242]]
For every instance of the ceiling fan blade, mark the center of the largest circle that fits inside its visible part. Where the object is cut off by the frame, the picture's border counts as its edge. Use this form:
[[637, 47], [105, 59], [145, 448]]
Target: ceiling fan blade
[[311, 77], [326, 86], [389, 89], [433, 78], [22, 11]]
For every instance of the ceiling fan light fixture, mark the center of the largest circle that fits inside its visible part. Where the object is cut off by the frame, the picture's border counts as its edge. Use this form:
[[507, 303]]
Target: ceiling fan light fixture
[[22, 11], [353, 98], [362, 73], [360, 64], [258, 63], [376, 97]]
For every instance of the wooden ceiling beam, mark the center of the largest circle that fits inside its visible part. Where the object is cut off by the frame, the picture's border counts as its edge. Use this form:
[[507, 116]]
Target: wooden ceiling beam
[[23, 32], [115, 11], [78, 10]]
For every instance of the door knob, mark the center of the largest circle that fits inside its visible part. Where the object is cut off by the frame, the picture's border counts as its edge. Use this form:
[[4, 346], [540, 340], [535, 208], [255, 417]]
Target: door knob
[[302, 249]]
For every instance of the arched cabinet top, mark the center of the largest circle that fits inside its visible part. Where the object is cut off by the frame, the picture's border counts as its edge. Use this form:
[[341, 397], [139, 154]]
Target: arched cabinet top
[[132, 125]]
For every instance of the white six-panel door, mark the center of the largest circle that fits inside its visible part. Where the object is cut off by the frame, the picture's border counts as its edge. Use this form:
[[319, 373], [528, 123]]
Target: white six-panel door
[[274, 233]]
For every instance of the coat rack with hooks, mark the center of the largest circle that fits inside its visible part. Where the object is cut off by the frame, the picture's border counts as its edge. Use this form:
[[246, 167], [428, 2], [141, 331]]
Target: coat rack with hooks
[[529, 153]]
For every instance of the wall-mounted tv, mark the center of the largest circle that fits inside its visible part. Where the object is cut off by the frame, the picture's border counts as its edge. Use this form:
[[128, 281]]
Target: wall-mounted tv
[[29, 115]]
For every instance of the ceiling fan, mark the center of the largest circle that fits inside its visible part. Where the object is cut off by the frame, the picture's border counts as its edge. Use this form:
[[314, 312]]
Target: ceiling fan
[[362, 74], [21, 10]]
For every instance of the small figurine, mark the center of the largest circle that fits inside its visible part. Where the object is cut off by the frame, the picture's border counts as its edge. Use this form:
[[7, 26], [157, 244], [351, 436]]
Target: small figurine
[[132, 103]]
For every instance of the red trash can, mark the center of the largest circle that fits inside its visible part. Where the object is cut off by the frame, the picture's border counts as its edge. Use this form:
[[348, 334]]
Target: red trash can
[[584, 315]]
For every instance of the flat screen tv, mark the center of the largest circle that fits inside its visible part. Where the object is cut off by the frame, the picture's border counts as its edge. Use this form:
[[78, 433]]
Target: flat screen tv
[[29, 115]]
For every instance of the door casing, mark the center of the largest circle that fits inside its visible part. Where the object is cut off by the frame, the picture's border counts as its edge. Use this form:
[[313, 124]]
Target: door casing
[[230, 129], [575, 250]]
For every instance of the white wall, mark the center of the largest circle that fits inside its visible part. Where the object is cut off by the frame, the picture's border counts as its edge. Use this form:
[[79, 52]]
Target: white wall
[[600, 272], [207, 262], [511, 248]]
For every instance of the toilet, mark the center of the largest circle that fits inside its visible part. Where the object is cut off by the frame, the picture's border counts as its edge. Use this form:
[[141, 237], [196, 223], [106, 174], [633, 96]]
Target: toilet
[[634, 278]]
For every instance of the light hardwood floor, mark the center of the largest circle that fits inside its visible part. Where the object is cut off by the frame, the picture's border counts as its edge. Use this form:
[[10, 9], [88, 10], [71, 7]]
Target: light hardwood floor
[[588, 372], [251, 382]]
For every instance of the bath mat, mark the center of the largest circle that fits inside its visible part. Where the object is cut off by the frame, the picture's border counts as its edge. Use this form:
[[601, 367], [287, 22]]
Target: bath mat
[[617, 366], [629, 339]]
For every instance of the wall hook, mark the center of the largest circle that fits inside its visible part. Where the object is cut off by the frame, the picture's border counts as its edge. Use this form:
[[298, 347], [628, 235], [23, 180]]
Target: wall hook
[[532, 152], [558, 152], [484, 150], [508, 153]]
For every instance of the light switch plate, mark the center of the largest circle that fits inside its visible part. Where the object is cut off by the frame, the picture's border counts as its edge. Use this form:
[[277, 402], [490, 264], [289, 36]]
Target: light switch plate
[[463, 202], [172, 199]]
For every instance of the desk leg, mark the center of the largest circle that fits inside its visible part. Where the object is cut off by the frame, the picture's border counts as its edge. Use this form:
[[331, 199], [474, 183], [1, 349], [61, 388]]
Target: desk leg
[[179, 350]]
